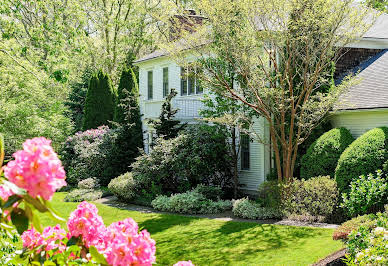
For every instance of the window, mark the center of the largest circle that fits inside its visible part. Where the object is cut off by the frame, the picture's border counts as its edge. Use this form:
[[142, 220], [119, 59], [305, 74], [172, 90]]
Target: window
[[150, 85], [245, 156], [190, 83], [165, 82]]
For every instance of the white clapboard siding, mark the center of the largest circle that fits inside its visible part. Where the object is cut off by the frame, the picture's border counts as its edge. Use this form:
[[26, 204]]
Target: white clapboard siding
[[189, 107], [360, 121]]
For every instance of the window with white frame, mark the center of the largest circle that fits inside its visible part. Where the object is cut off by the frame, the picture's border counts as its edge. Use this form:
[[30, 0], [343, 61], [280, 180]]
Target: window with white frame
[[190, 83], [166, 90]]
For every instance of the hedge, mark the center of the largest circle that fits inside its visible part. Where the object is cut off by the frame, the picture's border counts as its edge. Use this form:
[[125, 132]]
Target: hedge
[[322, 156], [365, 155]]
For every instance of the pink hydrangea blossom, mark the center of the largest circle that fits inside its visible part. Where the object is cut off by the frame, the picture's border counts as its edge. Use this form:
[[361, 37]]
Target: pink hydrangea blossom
[[36, 169], [86, 222], [184, 263], [5, 193]]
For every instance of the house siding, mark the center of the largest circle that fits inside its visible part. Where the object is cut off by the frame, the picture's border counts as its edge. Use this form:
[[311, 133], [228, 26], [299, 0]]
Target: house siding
[[189, 112], [360, 121]]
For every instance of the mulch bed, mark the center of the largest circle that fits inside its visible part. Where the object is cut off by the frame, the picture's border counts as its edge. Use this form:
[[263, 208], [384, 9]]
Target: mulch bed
[[334, 259]]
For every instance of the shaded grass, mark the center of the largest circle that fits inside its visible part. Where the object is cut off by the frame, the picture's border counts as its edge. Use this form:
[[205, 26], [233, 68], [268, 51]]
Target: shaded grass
[[213, 242]]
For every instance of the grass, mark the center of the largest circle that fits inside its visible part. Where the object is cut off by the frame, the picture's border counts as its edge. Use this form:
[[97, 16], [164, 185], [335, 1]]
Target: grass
[[213, 242]]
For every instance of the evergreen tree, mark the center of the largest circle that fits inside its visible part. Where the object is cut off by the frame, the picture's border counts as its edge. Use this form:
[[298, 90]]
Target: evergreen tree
[[100, 101], [126, 88], [166, 126]]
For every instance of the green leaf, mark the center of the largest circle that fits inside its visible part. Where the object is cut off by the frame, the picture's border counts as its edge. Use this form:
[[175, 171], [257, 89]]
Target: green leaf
[[11, 201], [36, 203], [72, 241], [99, 258], [33, 218], [19, 220], [53, 214], [47, 262]]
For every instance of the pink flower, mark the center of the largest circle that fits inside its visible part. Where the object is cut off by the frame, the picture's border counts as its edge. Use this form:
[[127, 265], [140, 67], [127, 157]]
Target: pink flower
[[32, 239], [51, 235], [36, 169], [184, 263], [125, 246], [5, 193], [85, 222]]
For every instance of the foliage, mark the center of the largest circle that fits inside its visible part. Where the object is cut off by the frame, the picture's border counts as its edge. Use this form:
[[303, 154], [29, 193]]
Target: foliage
[[343, 231], [322, 156], [368, 242], [8, 242], [244, 208], [123, 187], [190, 202], [210, 192], [313, 198], [199, 155], [100, 101], [365, 155], [88, 183], [269, 194], [367, 194], [381, 5], [76, 99], [81, 194], [281, 53], [166, 126]]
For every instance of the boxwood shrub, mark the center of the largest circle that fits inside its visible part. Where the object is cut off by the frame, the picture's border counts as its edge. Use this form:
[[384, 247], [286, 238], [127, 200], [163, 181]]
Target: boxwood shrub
[[365, 155], [322, 156]]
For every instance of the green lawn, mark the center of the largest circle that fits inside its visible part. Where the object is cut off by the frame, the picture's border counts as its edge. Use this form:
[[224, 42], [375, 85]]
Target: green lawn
[[211, 242]]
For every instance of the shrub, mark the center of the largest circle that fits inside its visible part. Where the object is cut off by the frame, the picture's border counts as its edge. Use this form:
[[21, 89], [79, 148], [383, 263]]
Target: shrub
[[190, 202], [199, 155], [210, 192], [322, 156], [269, 194], [79, 195], [89, 183], [365, 155], [123, 187], [100, 153], [244, 208], [347, 227], [100, 101], [8, 247], [367, 194], [315, 197]]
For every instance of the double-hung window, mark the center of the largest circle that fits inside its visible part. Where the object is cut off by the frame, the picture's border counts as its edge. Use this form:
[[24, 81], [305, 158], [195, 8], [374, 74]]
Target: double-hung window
[[165, 82], [245, 154], [190, 83], [150, 83]]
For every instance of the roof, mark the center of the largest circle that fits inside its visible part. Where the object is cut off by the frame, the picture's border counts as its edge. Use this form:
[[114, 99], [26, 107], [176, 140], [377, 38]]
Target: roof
[[377, 31], [372, 90]]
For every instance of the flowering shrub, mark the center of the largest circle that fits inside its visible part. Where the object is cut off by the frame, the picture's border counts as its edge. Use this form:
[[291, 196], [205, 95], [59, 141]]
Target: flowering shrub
[[367, 194], [343, 231], [88, 183], [244, 208], [30, 181], [190, 202]]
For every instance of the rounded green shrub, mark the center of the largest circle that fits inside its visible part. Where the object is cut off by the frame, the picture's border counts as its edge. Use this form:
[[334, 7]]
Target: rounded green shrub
[[322, 156], [365, 155], [123, 187]]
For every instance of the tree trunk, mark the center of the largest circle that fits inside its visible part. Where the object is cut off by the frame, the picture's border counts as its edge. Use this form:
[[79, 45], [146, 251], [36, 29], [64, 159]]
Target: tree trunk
[[235, 162]]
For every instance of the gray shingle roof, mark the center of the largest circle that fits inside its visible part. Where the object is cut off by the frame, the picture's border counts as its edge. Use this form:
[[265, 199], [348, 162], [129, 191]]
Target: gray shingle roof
[[379, 30], [372, 90]]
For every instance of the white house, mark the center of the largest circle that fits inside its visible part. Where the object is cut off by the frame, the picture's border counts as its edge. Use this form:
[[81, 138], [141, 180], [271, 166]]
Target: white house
[[363, 107]]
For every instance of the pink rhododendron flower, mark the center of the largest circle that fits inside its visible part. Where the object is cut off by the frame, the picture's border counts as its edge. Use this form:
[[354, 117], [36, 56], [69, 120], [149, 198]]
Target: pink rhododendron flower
[[184, 263], [86, 222], [51, 235], [125, 246], [32, 239], [36, 169], [5, 193]]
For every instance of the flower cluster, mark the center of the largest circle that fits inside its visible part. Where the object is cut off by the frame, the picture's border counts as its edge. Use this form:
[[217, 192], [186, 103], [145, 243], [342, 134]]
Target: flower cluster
[[5, 193], [36, 169], [50, 238], [377, 251], [184, 263]]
